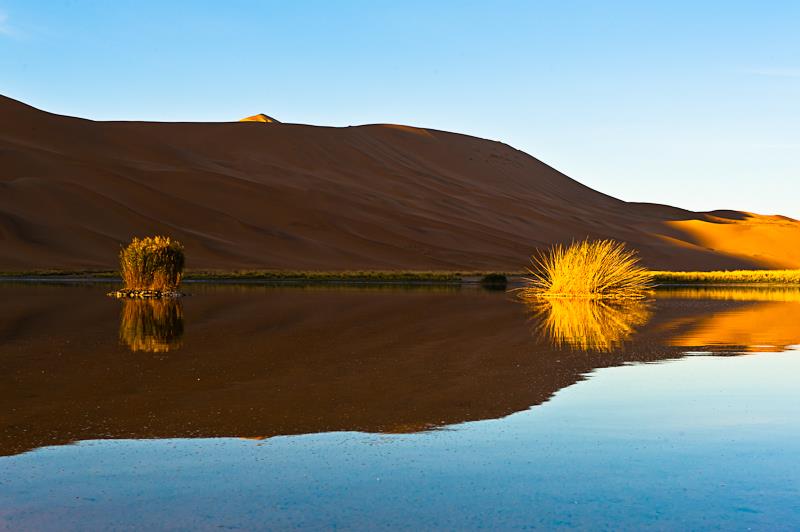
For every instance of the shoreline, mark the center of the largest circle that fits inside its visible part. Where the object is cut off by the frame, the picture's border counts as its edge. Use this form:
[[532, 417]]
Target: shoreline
[[743, 278]]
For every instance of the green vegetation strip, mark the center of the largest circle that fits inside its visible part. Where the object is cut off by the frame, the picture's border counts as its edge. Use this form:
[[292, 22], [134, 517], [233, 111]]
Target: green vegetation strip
[[287, 276], [775, 277], [82, 274], [744, 277], [345, 276]]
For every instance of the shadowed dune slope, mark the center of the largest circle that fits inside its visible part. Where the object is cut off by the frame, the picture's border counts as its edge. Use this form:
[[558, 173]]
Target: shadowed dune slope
[[288, 196]]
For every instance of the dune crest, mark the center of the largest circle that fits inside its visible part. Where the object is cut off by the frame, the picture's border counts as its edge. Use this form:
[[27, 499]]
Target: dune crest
[[260, 117], [301, 197]]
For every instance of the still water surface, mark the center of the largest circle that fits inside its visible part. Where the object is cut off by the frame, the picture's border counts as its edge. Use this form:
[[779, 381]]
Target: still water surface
[[253, 407]]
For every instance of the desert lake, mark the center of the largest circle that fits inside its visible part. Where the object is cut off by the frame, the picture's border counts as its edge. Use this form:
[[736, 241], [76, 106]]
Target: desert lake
[[244, 406]]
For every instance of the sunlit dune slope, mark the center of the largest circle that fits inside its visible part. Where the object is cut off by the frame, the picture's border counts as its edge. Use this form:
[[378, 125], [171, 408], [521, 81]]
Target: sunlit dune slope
[[260, 117], [293, 196], [764, 240]]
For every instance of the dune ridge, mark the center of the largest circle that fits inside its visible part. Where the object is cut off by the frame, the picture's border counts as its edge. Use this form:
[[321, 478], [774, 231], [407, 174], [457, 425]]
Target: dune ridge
[[260, 117], [293, 196]]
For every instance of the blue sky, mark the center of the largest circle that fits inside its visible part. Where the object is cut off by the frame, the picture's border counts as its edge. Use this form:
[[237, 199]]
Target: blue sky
[[694, 104]]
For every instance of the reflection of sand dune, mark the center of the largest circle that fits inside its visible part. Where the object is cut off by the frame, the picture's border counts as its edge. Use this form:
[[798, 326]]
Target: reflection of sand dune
[[743, 293], [152, 325], [589, 324], [762, 327], [764, 318], [265, 362]]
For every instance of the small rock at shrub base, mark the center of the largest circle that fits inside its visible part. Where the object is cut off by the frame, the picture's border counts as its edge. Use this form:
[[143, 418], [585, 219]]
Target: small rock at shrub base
[[144, 294]]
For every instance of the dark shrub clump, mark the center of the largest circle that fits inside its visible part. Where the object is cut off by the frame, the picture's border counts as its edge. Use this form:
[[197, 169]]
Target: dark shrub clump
[[494, 281], [152, 263]]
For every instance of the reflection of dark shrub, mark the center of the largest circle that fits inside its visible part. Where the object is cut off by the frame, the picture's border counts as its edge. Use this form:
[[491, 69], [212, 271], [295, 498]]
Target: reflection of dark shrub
[[152, 325], [152, 263], [494, 281]]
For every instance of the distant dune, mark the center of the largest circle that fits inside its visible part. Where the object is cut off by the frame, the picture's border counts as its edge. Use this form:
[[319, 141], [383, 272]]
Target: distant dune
[[260, 117], [288, 196]]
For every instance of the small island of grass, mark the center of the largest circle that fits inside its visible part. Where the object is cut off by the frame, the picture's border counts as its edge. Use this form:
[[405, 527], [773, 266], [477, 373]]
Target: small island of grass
[[151, 267]]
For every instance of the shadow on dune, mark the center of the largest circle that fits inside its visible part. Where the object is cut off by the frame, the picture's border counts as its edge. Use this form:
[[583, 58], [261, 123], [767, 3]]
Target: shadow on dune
[[258, 362]]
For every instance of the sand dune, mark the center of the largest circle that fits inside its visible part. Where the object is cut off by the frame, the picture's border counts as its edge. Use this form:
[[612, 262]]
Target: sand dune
[[288, 196]]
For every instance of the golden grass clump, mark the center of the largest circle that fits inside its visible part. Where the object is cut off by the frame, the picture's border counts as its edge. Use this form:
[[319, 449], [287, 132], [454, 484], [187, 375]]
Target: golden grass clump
[[151, 325], [592, 269], [152, 263], [589, 324]]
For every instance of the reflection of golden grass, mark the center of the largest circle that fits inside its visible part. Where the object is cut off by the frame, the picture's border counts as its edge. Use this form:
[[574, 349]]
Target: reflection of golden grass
[[763, 293], [735, 276], [599, 269], [589, 324], [152, 325]]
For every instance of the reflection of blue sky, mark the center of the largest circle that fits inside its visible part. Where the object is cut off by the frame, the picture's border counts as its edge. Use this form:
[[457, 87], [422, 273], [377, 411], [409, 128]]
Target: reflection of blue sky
[[687, 443], [642, 100]]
